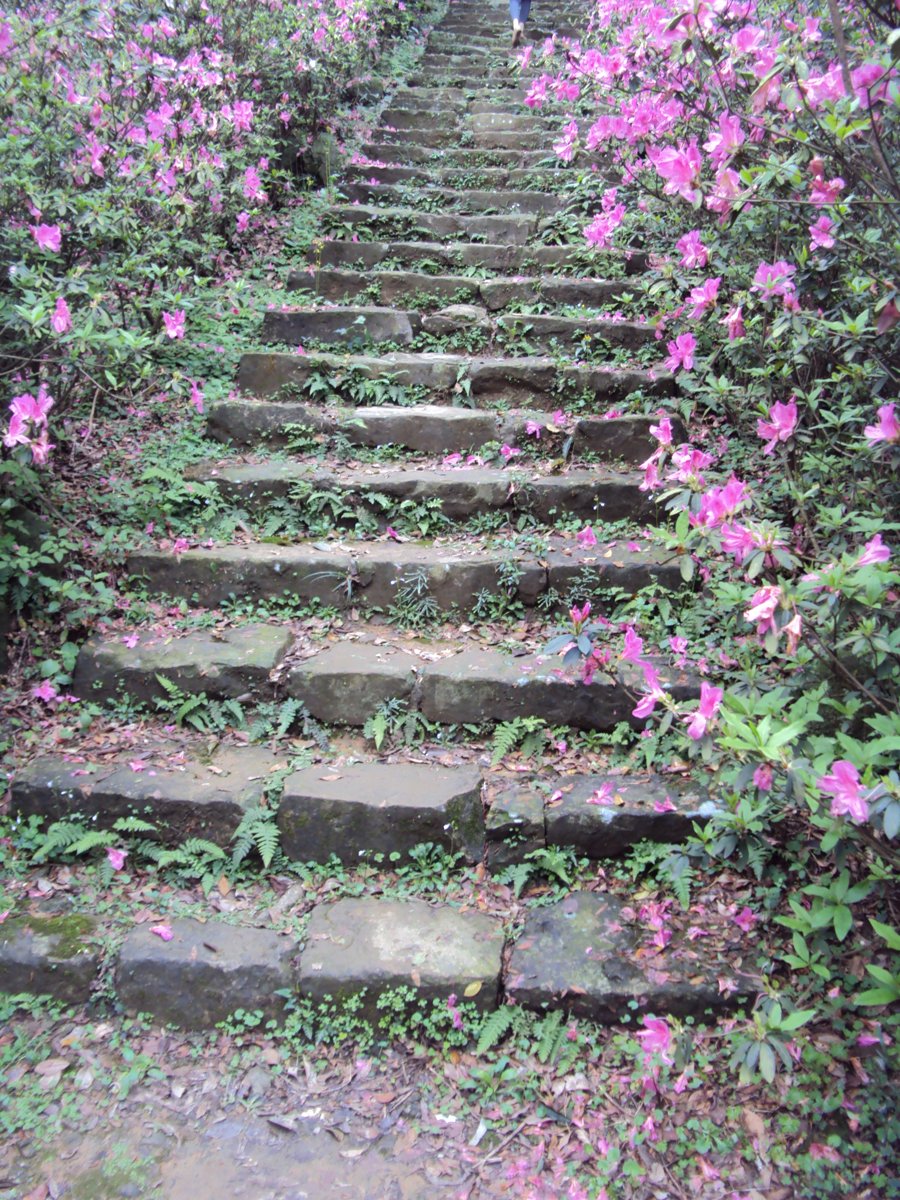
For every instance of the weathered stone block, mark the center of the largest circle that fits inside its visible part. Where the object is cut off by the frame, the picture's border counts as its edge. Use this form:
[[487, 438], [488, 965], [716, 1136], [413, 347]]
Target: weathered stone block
[[193, 802], [380, 808], [204, 973], [341, 325], [514, 826], [579, 953], [229, 664], [374, 944], [604, 816], [49, 955], [346, 683]]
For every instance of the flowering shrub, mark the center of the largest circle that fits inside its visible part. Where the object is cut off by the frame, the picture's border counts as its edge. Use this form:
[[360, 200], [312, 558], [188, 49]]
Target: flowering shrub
[[139, 146], [141, 149], [756, 150]]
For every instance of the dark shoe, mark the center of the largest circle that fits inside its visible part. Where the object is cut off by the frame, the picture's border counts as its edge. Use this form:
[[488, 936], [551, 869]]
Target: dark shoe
[[517, 38]]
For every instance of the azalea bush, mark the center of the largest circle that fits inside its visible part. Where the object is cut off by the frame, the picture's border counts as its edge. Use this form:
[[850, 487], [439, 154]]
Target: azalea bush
[[756, 151], [143, 148]]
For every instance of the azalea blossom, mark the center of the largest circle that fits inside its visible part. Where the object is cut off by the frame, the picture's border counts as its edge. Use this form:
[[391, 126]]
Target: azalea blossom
[[61, 319], [887, 428], [509, 452], [774, 279], [116, 857], [693, 252], [163, 931], [820, 234], [745, 919], [874, 551], [681, 352], [45, 691], [704, 297], [174, 323], [844, 788], [780, 426], [48, 237], [586, 537], [656, 1037], [762, 609], [633, 647], [710, 702]]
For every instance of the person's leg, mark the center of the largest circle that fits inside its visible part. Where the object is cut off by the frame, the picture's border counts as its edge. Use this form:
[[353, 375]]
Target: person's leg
[[518, 24], [524, 10]]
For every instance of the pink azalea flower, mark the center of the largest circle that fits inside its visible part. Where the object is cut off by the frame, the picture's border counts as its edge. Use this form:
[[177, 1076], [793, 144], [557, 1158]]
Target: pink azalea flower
[[243, 221], [580, 615], [180, 545], [586, 537], [874, 551], [734, 323], [602, 795], [780, 426], [41, 447], [116, 857], [137, 765], [762, 609], [48, 237], [888, 427], [633, 647], [197, 395], [681, 352], [162, 931], [820, 234], [762, 777], [45, 691], [174, 323], [704, 297], [745, 919], [663, 432], [534, 428], [774, 279], [656, 1037], [61, 320], [844, 788], [131, 640], [32, 408], [693, 252], [652, 696], [710, 702], [509, 452], [17, 432], [664, 806]]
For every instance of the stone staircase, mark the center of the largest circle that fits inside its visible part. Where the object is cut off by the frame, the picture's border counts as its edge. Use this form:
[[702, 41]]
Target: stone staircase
[[445, 222]]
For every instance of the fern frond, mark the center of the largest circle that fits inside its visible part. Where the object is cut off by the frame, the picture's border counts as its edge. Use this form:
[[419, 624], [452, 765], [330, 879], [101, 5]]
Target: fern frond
[[506, 738], [552, 1037], [59, 837], [90, 841], [133, 825], [495, 1027]]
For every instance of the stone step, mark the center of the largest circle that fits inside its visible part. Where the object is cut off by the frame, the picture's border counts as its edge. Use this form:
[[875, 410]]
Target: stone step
[[402, 287], [514, 229], [353, 809], [455, 177], [458, 156], [587, 954], [355, 325], [450, 256], [598, 494], [451, 103], [462, 121], [229, 665], [430, 428], [346, 682], [347, 574], [481, 139], [469, 201], [359, 809], [528, 382]]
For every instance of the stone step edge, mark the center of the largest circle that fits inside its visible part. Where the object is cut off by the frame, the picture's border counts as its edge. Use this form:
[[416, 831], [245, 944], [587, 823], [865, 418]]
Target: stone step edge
[[636, 261], [354, 811], [266, 374], [196, 973], [453, 574], [348, 681], [432, 429]]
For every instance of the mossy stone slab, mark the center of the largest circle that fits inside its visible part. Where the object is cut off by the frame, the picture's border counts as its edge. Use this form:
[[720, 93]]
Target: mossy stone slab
[[49, 955]]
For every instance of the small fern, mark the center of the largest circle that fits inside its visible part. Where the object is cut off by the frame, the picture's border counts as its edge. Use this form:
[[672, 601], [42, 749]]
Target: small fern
[[90, 841], [552, 1037], [529, 733], [133, 825], [58, 839], [495, 1027], [257, 831]]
